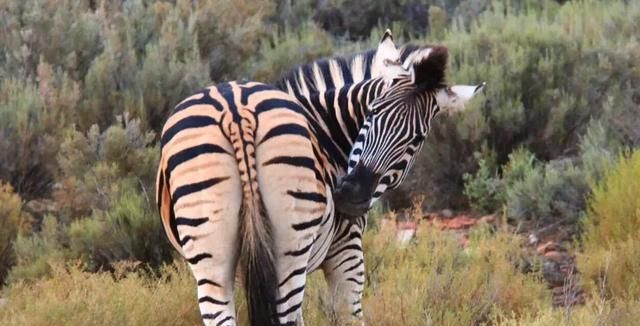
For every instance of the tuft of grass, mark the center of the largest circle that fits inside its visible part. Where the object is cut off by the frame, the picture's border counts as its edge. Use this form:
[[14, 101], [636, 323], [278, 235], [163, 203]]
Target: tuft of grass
[[611, 241]]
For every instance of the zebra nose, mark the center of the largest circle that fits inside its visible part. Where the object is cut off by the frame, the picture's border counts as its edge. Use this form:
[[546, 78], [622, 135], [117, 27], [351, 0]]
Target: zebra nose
[[353, 192], [350, 189]]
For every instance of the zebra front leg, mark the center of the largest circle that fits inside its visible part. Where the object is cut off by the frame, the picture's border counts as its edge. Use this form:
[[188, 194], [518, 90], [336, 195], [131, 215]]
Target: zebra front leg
[[344, 271]]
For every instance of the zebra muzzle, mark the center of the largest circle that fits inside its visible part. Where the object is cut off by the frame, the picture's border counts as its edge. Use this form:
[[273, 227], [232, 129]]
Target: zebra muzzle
[[353, 192]]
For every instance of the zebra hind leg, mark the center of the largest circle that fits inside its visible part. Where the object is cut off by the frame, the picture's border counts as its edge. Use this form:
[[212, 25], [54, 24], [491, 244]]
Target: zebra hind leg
[[208, 231], [214, 269]]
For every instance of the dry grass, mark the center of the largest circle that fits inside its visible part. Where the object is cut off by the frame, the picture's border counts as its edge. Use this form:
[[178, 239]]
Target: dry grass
[[72, 297], [593, 313], [432, 281], [435, 282]]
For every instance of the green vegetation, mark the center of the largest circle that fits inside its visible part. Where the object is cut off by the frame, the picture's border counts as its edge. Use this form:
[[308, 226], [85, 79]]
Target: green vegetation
[[85, 87]]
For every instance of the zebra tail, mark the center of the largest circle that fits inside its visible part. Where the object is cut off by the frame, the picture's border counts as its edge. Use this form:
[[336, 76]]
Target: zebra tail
[[260, 277], [257, 249]]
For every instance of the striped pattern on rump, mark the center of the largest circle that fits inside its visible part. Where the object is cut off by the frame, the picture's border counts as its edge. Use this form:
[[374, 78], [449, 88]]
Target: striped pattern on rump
[[239, 183]]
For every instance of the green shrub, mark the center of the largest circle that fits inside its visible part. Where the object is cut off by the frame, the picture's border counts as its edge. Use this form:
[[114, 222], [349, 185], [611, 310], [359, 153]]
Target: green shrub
[[598, 150], [355, 21], [115, 172], [229, 35], [548, 193], [611, 238], [128, 230], [97, 159], [63, 33], [26, 146], [529, 190], [36, 253], [105, 204], [484, 189], [548, 71]]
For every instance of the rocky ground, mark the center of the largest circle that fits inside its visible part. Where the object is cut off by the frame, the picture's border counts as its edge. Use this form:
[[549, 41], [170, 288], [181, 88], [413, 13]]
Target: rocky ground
[[550, 244]]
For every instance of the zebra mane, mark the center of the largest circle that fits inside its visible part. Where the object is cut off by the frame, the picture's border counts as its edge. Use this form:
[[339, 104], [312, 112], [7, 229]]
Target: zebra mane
[[335, 72]]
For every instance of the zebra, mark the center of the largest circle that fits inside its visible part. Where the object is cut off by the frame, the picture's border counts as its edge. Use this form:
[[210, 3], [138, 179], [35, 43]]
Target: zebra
[[278, 183]]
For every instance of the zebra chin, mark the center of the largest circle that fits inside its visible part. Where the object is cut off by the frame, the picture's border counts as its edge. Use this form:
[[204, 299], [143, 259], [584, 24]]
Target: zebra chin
[[354, 191]]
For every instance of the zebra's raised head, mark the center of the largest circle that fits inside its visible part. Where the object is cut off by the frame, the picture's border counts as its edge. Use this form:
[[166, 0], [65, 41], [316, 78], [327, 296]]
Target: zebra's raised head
[[397, 124]]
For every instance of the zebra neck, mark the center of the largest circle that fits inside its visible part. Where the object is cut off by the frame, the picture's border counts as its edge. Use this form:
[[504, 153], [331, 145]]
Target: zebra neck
[[336, 116]]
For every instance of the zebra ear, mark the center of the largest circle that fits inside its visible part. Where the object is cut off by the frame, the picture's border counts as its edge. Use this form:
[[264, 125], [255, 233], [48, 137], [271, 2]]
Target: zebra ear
[[386, 63], [453, 98], [428, 67]]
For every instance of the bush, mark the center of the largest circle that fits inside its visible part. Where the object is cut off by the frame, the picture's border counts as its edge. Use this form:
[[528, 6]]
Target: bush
[[115, 172], [13, 221], [128, 230], [598, 150], [27, 150], [229, 34], [355, 21], [484, 189], [529, 190], [611, 240], [37, 252], [95, 160], [547, 193]]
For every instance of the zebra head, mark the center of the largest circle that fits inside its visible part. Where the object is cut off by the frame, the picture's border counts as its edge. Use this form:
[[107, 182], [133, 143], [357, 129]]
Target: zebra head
[[396, 125]]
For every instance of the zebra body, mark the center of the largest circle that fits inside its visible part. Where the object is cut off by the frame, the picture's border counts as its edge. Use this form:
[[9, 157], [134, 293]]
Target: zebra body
[[248, 176]]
